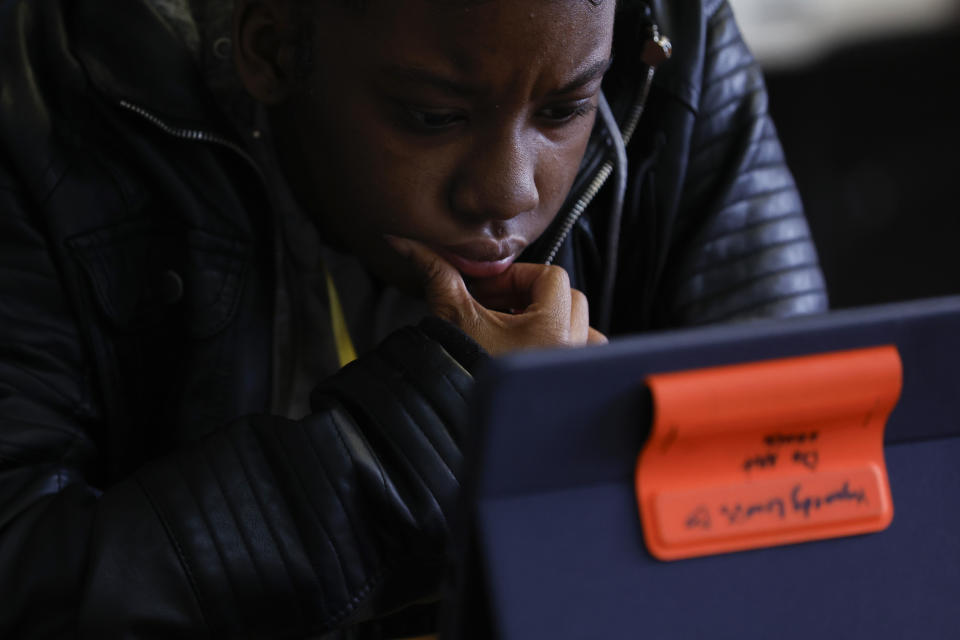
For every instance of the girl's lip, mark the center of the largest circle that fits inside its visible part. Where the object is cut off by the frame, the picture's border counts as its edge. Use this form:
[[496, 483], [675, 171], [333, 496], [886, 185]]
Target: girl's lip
[[474, 266]]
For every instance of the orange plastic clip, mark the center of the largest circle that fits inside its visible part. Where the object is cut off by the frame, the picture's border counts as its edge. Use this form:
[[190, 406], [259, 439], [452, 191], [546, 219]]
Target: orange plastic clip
[[768, 453]]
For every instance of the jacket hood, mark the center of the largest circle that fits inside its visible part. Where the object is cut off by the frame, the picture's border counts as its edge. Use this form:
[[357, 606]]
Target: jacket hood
[[180, 66]]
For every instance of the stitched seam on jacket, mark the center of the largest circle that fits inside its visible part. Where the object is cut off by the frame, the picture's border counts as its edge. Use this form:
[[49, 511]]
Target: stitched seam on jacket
[[433, 445], [453, 387], [764, 166], [748, 201], [726, 75], [67, 401], [446, 378], [184, 562], [717, 48], [746, 283], [721, 23], [728, 132], [756, 224], [701, 269], [317, 517], [765, 303], [236, 521], [739, 100], [206, 521], [385, 433], [281, 551], [723, 11], [334, 489], [414, 380], [351, 605], [385, 382], [380, 470]]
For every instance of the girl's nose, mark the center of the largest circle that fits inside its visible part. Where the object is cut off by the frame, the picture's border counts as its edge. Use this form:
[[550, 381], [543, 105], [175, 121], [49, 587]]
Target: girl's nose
[[497, 181]]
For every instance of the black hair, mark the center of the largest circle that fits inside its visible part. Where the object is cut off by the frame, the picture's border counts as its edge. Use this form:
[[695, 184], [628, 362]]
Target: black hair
[[306, 29]]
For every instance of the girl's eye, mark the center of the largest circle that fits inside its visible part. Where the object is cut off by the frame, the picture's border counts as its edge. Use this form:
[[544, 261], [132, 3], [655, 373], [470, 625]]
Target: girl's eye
[[434, 119], [565, 113]]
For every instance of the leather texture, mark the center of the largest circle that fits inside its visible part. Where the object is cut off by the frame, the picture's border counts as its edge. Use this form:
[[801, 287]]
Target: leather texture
[[713, 229], [143, 490]]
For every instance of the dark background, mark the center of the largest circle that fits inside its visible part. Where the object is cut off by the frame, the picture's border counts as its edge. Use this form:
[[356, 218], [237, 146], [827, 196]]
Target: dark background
[[872, 133]]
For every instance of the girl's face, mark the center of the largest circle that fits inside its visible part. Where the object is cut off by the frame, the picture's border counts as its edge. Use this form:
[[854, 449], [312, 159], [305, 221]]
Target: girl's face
[[457, 123]]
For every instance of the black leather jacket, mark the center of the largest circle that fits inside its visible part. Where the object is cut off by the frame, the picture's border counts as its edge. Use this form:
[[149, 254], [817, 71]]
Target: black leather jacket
[[143, 490]]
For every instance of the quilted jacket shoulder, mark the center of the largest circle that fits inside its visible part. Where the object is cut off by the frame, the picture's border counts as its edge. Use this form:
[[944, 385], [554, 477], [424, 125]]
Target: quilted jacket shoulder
[[713, 228]]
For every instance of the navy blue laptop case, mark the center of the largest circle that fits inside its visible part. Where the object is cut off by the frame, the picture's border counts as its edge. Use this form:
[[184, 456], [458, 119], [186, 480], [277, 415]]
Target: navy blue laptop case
[[549, 538]]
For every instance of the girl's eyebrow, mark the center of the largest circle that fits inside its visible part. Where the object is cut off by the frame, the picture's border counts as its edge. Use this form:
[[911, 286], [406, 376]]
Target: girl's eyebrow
[[420, 75], [585, 76]]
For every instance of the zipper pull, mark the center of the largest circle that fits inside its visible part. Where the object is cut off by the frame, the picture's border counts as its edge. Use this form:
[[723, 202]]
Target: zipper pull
[[657, 48]]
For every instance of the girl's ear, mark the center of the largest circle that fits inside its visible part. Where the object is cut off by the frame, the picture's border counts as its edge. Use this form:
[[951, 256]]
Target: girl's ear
[[265, 48]]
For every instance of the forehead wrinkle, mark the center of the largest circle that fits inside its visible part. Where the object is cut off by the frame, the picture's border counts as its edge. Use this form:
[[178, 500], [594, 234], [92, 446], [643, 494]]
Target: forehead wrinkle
[[502, 47], [462, 44], [423, 75]]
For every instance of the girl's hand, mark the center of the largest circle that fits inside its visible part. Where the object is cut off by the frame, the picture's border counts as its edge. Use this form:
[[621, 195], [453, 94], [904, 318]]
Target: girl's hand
[[526, 306]]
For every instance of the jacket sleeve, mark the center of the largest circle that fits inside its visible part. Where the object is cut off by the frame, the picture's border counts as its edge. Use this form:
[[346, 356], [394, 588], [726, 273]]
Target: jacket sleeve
[[747, 250], [266, 528]]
